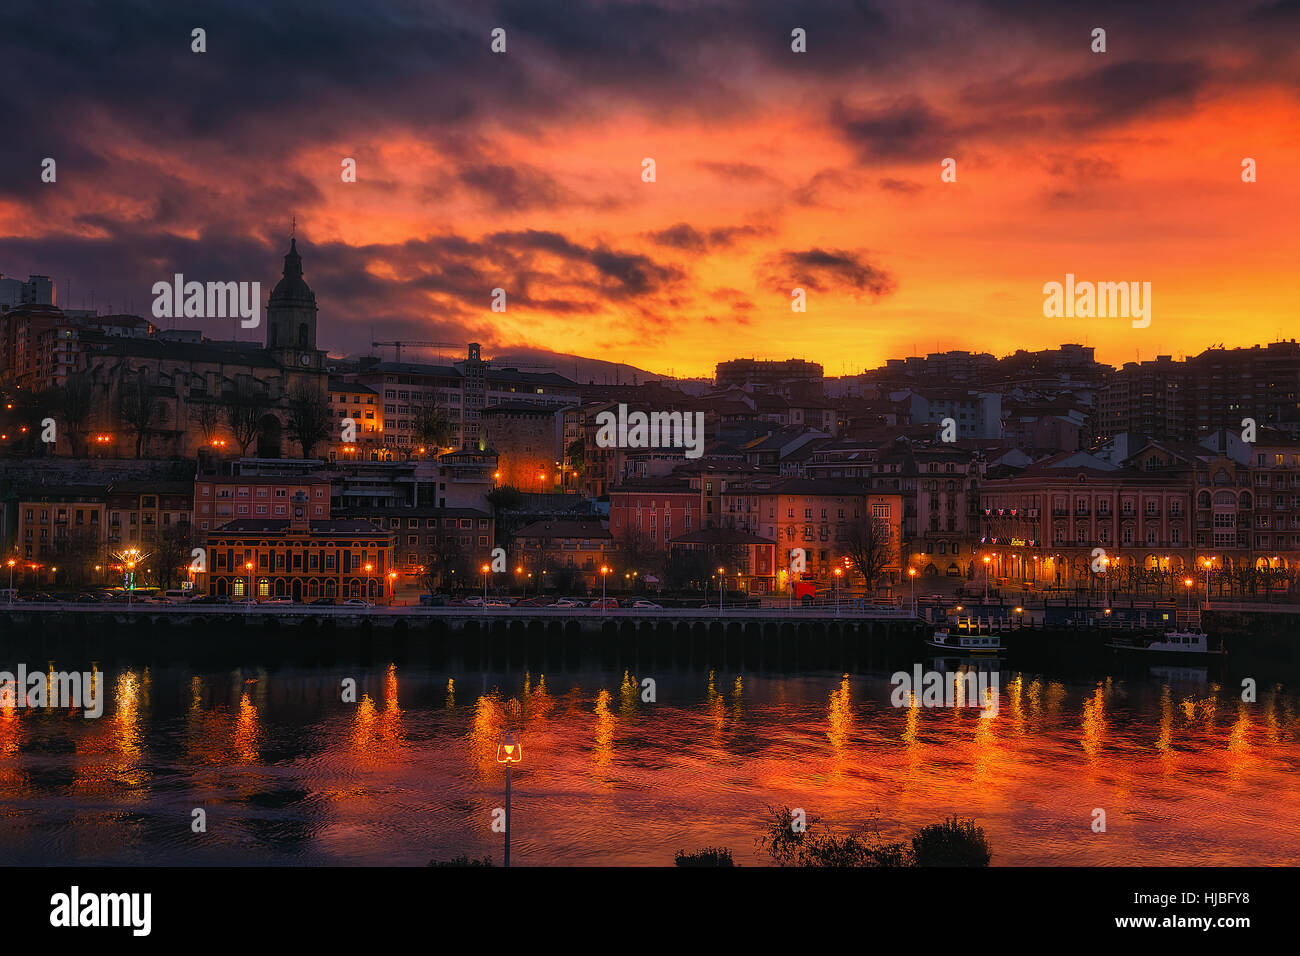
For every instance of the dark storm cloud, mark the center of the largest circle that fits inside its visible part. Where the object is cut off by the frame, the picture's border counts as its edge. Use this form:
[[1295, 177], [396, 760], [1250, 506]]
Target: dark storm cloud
[[686, 237], [1110, 94], [890, 184], [827, 270], [513, 188], [907, 130]]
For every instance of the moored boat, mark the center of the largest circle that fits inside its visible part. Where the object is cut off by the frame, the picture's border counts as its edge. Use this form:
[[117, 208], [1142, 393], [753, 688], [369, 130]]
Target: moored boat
[[965, 643], [1172, 642]]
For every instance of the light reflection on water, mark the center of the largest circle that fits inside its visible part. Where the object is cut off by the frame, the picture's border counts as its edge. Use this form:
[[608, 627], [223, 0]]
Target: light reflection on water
[[289, 773]]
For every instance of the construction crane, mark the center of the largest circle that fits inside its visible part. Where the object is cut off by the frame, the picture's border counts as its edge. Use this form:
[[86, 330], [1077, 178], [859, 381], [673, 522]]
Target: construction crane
[[397, 346]]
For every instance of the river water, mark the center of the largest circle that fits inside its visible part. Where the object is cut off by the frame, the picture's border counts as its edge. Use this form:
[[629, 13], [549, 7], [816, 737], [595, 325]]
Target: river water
[[287, 772]]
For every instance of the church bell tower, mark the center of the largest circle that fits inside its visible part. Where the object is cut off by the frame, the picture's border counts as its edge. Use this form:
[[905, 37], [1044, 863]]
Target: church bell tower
[[291, 317]]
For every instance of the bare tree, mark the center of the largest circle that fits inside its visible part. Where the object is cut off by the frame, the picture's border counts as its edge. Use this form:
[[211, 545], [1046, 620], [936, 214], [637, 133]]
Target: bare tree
[[432, 428], [245, 408], [637, 552], [869, 546], [445, 559], [309, 417], [76, 401], [207, 415], [138, 408], [172, 552]]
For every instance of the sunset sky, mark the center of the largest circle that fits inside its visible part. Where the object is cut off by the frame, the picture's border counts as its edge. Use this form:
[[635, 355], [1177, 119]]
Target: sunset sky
[[775, 169]]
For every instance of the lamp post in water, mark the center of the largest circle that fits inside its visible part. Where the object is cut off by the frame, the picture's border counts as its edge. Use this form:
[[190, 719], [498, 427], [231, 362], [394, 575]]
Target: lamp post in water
[[509, 752]]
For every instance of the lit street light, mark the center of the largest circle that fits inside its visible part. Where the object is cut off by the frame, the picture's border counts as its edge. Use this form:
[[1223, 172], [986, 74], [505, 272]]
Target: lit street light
[[486, 569], [604, 574], [12, 562], [722, 580], [509, 752], [911, 577], [838, 572], [987, 559], [248, 602]]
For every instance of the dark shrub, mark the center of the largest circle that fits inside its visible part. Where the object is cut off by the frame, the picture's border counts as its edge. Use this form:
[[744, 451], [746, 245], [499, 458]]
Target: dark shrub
[[952, 843]]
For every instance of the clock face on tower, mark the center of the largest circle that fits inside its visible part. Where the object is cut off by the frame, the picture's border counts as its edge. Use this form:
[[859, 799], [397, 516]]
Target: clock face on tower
[[305, 359]]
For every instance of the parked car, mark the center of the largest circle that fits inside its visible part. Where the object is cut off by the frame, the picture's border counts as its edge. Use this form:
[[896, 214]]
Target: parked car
[[276, 600], [493, 602], [567, 602], [432, 600], [534, 602], [474, 601], [178, 596], [86, 598], [356, 602], [647, 605], [607, 602], [322, 602]]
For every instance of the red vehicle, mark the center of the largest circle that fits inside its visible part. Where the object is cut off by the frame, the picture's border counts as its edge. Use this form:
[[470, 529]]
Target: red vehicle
[[605, 602]]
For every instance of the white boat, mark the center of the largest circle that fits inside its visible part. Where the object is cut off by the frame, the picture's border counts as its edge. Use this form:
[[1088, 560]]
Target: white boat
[[1173, 642], [966, 643]]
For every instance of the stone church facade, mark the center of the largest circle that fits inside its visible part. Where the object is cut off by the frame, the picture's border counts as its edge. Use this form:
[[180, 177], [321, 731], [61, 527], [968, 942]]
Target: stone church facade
[[193, 383]]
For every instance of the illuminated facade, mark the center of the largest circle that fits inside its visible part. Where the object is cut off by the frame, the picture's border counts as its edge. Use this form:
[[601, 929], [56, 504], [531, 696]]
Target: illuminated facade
[[301, 559]]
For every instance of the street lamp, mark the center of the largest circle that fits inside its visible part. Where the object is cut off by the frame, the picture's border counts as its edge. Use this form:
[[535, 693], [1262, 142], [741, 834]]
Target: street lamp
[[1105, 579], [1188, 582], [248, 600], [721, 584], [911, 579], [604, 573], [369, 568], [509, 752], [838, 572], [392, 586], [12, 562], [987, 559]]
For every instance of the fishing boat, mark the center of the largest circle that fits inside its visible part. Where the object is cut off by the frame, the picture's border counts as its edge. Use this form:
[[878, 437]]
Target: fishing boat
[[965, 643], [1172, 642]]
